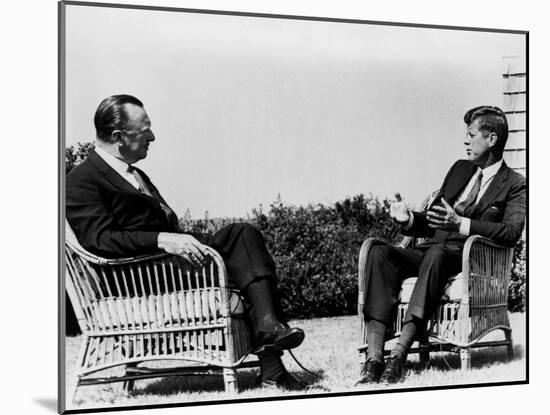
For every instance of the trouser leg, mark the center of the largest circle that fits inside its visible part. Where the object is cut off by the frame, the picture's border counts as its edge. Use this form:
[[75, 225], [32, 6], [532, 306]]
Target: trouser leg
[[244, 252], [251, 267], [262, 305], [386, 268], [439, 262]]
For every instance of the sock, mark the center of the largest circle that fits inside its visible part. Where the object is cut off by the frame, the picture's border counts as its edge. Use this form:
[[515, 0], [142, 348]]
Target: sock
[[376, 332], [262, 313], [406, 339], [271, 366]]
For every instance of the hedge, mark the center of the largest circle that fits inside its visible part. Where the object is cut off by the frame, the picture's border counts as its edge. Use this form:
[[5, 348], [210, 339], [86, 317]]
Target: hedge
[[315, 249]]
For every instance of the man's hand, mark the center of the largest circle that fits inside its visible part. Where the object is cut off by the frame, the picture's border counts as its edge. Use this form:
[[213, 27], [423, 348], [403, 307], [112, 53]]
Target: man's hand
[[184, 245], [444, 217], [399, 210]]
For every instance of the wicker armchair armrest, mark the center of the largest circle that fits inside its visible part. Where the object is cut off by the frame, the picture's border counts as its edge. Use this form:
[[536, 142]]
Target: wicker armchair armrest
[[479, 240], [487, 267], [72, 242], [91, 279]]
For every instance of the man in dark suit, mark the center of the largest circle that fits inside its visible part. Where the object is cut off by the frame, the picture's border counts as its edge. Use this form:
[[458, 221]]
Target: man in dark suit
[[479, 196], [116, 211]]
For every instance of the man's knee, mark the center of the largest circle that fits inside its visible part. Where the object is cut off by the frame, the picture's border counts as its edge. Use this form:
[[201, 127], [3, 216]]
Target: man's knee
[[247, 233], [436, 253], [245, 228], [379, 253], [440, 258]]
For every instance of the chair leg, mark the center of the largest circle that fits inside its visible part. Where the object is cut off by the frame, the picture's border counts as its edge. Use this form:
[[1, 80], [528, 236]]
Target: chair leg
[[230, 380], [80, 364], [363, 356], [424, 343], [510, 345], [424, 355], [465, 358], [128, 385], [69, 399]]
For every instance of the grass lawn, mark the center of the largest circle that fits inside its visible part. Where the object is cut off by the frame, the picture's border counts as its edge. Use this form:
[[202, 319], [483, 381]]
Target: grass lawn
[[329, 350]]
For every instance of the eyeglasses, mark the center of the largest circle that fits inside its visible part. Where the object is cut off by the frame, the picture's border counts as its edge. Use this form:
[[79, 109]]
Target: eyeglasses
[[135, 133]]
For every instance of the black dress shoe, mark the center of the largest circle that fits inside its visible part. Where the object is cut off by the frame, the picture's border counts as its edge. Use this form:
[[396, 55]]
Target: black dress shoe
[[285, 381], [394, 370], [370, 372], [282, 338]]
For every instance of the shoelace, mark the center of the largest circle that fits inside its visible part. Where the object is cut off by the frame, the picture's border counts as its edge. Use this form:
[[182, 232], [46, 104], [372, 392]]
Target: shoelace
[[315, 375]]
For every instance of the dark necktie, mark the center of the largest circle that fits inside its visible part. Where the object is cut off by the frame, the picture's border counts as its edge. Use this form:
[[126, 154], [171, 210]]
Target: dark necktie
[[465, 208], [143, 188]]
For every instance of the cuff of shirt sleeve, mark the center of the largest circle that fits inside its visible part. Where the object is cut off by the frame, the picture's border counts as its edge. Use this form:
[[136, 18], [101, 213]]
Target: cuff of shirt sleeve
[[465, 227], [409, 224]]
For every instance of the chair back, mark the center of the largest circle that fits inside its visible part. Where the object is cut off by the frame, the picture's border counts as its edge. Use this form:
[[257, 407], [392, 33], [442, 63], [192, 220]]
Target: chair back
[[408, 241]]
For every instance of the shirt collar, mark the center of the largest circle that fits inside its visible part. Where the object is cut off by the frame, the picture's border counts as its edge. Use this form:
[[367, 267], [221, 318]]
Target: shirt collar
[[121, 167], [489, 172]]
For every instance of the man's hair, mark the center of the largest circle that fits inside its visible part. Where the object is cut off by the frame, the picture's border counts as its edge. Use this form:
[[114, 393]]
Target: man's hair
[[111, 115], [491, 120]]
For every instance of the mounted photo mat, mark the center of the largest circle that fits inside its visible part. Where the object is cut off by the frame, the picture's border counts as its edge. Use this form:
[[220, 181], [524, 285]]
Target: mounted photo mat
[[303, 127]]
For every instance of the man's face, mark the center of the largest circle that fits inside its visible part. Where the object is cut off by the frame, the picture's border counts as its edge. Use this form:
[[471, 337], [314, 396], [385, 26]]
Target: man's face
[[135, 138], [478, 144]]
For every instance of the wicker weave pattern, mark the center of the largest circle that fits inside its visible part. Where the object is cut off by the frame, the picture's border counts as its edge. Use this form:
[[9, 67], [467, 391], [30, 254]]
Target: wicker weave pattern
[[461, 323], [156, 307]]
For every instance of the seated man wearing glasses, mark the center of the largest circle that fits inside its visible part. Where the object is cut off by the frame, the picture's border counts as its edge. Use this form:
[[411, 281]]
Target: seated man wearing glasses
[[116, 211]]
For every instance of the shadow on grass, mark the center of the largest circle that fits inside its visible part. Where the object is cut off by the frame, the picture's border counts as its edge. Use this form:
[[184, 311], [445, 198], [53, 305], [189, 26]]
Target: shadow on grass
[[482, 357], [316, 375], [184, 384], [247, 380], [313, 379]]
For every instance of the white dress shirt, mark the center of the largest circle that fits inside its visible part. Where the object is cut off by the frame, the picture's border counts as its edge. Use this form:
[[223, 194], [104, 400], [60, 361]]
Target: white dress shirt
[[121, 167], [488, 176]]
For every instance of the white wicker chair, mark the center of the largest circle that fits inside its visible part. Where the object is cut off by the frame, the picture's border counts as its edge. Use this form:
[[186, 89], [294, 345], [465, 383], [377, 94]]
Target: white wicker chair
[[152, 308], [475, 302]]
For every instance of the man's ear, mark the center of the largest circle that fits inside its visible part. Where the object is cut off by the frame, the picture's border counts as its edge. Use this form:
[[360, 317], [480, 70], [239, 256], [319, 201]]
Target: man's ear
[[493, 139], [116, 137]]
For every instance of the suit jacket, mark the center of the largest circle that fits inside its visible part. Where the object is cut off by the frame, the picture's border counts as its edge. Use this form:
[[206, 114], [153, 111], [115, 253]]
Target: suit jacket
[[499, 214], [109, 216]]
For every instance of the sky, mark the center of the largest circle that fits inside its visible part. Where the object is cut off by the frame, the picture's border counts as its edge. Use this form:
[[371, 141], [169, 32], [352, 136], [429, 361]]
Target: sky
[[245, 108]]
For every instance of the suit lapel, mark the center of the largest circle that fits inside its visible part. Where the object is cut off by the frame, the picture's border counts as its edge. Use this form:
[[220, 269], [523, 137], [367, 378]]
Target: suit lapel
[[458, 182], [170, 214], [110, 174], [493, 190], [117, 180]]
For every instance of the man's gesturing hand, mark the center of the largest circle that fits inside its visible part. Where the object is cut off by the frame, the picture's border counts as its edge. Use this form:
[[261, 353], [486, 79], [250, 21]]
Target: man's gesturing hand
[[444, 217], [184, 245], [399, 210]]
